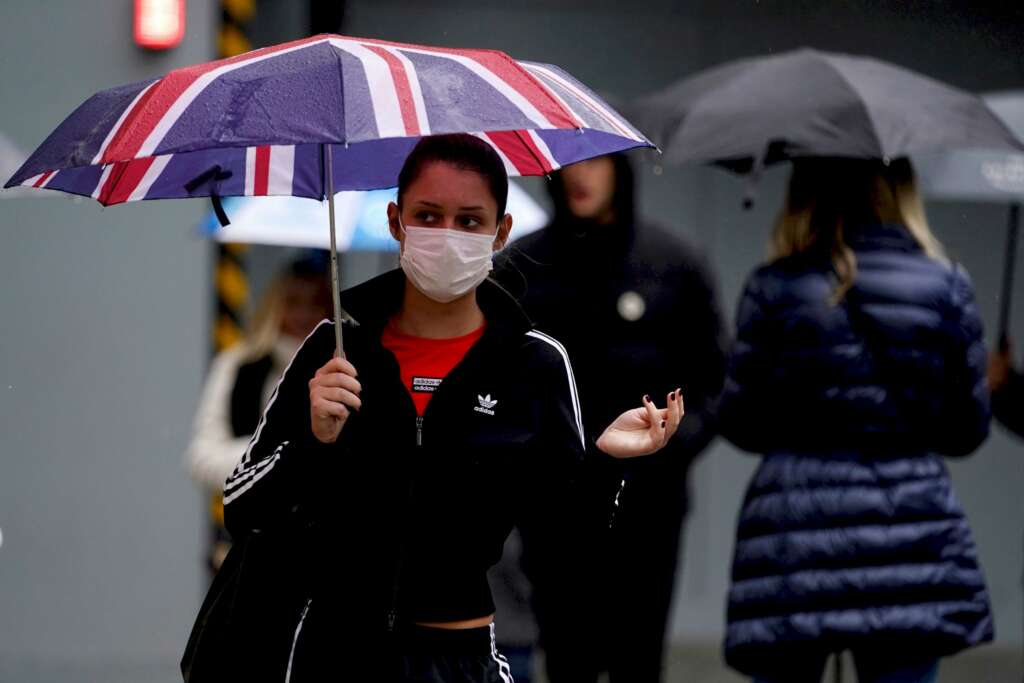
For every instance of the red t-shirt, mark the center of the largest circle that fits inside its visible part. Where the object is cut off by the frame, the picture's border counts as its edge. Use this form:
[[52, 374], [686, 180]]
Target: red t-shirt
[[423, 362]]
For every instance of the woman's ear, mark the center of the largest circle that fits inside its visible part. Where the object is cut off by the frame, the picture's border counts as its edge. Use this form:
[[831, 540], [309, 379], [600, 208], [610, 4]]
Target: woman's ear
[[394, 222], [504, 228]]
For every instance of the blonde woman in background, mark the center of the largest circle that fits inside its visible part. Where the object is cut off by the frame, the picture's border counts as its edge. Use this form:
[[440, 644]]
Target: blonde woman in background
[[242, 378], [858, 363]]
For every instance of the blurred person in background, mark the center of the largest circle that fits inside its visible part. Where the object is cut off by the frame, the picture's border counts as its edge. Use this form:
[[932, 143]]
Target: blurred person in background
[[635, 306], [858, 364], [241, 379]]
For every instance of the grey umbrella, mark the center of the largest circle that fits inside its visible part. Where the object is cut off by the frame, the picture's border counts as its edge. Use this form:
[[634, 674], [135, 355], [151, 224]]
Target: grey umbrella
[[985, 176], [757, 111]]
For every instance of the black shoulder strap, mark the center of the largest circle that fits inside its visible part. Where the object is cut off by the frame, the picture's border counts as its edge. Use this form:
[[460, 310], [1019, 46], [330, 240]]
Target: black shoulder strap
[[247, 395]]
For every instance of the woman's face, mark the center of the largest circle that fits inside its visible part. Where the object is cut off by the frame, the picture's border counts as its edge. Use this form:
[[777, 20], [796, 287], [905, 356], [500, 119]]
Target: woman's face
[[444, 196], [590, 189]]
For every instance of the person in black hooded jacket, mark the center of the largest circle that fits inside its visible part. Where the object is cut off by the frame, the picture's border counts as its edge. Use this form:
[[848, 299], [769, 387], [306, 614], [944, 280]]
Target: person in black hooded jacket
[[636, 309], [391, 477]]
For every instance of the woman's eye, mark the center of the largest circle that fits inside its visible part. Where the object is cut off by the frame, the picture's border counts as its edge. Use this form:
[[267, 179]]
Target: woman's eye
[[469, 222], [425, 217]]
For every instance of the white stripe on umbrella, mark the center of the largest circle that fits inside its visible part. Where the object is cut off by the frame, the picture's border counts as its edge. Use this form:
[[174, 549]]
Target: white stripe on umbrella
[[150, 177], [510, 168], [250, 171], [544, 149], [186, 98], [585, 99], [387, 110], [414, 85], [282, 169], [43, 179], [557, 97], [113, 131], [495, 81], [103, 181]]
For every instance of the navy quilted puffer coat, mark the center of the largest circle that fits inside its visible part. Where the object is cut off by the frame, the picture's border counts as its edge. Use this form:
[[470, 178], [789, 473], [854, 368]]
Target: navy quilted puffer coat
[[850, 536]]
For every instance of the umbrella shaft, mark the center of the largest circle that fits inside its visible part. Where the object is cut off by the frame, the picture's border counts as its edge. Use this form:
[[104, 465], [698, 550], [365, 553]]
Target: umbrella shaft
[[335, 288], [1008, 268]]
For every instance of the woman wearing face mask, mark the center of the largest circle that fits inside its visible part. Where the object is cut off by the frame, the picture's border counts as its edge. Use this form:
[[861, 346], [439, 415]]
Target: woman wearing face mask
[[408, 461]]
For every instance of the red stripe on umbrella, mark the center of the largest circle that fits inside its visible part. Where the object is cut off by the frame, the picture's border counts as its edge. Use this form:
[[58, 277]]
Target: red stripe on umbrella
[[402, 89], [123, 179], [151, 108], [524, 155], [261, 179]]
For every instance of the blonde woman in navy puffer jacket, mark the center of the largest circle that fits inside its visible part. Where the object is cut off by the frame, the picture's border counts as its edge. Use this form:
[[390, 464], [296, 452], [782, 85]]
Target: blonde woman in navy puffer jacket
[[858, 364]]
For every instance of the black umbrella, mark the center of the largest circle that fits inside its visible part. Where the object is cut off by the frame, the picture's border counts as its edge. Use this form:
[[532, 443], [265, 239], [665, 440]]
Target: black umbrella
[[985, 176], [748, 113]]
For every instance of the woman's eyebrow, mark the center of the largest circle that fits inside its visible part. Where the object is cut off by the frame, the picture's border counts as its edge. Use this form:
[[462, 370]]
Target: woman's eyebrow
[[432, 205]]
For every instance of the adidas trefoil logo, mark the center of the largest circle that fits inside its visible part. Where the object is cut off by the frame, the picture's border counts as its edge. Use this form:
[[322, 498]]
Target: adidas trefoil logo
[[486, 404]]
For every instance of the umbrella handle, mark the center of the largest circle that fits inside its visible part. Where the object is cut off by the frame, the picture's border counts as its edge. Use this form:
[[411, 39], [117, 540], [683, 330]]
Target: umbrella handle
[[1008, 271], [335, 289]]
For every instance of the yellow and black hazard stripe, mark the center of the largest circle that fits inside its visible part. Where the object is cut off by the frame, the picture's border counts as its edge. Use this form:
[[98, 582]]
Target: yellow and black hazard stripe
[[229, 279]]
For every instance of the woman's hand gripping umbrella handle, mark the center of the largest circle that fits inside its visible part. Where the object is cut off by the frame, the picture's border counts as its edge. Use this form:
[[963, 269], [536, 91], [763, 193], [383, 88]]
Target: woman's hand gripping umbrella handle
[[333, 395]]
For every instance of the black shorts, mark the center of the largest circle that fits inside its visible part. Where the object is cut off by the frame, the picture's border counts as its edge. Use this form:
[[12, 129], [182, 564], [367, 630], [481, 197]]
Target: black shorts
[[329, 652], [432, 655]]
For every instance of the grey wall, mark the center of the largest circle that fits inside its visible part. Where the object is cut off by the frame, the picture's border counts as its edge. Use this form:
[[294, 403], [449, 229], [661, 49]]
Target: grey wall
[[104, 310], [103, 350]]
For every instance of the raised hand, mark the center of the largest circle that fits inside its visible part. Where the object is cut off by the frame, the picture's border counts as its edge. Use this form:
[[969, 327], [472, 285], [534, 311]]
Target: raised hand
[[644, 430]]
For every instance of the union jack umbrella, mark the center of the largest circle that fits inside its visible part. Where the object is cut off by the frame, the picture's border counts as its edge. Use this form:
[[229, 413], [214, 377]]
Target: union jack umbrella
[[312, 117]]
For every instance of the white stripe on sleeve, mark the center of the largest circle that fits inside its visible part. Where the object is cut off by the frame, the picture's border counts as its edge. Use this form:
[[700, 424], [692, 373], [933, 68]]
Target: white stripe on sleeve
[[569, 374], [247, 472]]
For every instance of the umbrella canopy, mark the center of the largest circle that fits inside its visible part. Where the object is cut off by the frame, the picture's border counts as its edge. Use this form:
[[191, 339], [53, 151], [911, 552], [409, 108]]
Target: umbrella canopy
[[314, 116], [979, 175], [361, 220], [985, 176], [810, 103], [11, 158], [258, 124]]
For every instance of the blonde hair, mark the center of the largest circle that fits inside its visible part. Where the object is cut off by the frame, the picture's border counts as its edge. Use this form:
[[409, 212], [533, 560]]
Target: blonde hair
[[264, 327], [828, 196]]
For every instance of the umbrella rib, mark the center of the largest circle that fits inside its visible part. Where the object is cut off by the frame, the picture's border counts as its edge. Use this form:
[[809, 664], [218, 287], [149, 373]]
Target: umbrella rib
[[341, 89], [863, 104]]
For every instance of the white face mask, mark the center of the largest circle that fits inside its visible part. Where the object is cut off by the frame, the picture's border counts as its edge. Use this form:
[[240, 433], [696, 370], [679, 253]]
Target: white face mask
[[445, 264]]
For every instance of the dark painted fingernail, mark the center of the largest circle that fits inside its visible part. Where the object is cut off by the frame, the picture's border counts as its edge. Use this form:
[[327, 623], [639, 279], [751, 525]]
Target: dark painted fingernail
[[647, 399], [662, 424], [672, 397]]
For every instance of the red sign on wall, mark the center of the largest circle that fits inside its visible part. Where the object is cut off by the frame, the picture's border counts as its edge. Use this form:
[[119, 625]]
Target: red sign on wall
[[159, 24]]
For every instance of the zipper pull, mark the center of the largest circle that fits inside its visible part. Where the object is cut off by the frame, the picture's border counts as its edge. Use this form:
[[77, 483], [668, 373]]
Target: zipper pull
[[419, 430], [391, 621]]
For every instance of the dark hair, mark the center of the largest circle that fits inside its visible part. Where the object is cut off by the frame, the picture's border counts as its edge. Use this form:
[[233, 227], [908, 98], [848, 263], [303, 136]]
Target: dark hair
[[463, 151], [623, 203], [310, 264]]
